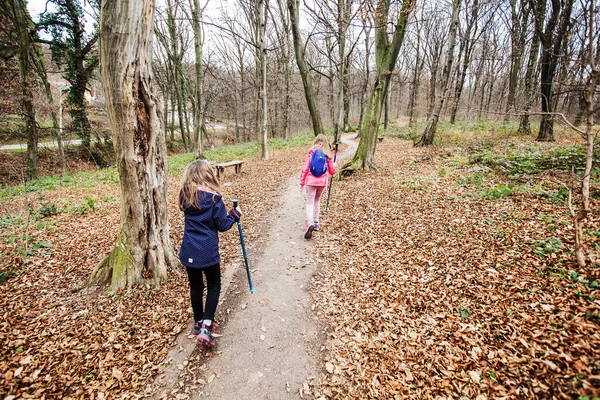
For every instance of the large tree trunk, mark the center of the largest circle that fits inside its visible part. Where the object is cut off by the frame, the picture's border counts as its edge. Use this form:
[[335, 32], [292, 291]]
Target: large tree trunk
[[143, 239], [386, 57], [199, 115], [22, 24], [431, 128], [294, 8]]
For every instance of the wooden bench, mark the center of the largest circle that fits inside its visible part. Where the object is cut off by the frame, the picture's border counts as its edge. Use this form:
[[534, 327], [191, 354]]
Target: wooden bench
[[221, 167]]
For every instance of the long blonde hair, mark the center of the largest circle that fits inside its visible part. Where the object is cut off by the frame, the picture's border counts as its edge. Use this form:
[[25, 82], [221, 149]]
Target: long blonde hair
[[198, 175], [321, 140]]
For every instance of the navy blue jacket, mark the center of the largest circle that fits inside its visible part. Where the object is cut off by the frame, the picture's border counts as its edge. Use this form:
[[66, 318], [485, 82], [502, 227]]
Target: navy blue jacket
[[200, 246]]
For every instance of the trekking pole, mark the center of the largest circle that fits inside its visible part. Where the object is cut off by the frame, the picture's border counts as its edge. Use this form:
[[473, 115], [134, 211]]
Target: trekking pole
[[331, 178], [235, 203]]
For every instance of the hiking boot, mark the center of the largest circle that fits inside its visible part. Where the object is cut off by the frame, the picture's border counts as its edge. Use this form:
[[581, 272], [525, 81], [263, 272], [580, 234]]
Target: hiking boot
[[205, 336], [317, 226], [309, 232]]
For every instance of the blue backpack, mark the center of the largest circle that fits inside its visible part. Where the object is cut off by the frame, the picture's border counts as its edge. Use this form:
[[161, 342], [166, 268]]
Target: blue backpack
[[318, 163]]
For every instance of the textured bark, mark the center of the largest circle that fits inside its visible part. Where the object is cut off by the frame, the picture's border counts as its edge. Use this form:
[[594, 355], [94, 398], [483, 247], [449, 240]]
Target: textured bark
[[309, 93], [386, 55], [431, 128], [143, 240], [22, 23]]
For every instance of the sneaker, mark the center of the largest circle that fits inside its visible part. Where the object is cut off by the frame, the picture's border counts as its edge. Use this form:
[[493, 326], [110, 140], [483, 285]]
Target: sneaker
[[309, 232], [198, 326], [317, 226], [205, 336]]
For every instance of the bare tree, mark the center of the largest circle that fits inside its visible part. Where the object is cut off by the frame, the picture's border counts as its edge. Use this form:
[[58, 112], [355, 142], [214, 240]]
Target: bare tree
[[22, 23], [309, 93], [551, 36], [143, 239], [530, 79], [386, 56], [199, 114], [590, 137], [430, 129]]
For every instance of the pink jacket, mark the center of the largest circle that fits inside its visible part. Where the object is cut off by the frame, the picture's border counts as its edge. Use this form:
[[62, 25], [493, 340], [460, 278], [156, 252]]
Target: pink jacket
[[306, 178]]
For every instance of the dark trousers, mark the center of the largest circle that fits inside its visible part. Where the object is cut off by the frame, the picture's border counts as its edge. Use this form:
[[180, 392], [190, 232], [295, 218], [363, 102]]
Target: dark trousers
[[213, 285]]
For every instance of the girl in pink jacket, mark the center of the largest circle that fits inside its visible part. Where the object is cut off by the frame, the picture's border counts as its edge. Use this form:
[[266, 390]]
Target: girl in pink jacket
[[315, 185]]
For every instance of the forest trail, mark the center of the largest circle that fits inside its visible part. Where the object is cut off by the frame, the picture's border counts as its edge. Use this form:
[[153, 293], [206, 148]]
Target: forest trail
[[269, 347]]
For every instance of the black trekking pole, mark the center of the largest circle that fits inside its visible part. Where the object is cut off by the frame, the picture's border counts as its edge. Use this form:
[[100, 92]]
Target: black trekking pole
[[235, 203], [331, 178]]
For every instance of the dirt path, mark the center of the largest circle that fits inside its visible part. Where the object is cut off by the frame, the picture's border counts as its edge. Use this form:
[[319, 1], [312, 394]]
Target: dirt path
[[270, 346]]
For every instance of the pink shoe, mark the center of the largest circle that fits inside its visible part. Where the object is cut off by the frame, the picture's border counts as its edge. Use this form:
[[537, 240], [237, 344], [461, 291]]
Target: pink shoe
[[205, 336]]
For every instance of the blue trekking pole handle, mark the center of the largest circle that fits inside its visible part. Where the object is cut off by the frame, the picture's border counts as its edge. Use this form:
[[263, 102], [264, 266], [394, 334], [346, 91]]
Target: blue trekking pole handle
[[239, 224], [331, 178]]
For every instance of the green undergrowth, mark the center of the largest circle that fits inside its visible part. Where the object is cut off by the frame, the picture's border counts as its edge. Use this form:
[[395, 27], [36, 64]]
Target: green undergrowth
[[177, 164], [534, 159], [461, 133]]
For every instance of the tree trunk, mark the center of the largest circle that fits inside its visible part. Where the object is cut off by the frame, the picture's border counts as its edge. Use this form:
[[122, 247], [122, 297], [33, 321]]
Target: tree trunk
[[517, 37], [22, 24], [346, 92], [261, 8], [143, 240], [199, 115], [387, 101], [364, 92], [430, 129], [386, 57], [467, 45], [530, 78], [38, 60], [294, 8], [552, 42], [416, 80]]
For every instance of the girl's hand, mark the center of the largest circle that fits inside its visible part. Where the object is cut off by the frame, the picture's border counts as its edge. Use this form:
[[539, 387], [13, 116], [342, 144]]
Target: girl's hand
[[301, 188]]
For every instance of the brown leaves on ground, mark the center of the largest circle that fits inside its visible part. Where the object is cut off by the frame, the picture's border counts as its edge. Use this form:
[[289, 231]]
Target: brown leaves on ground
[[433, 290], [59, 341]]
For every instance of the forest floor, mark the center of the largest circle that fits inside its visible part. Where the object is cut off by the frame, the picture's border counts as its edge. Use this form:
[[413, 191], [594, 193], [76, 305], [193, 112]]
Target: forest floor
[[436, 276]]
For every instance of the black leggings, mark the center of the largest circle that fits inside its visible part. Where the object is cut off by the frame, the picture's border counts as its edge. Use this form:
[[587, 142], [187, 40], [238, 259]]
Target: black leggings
[[213, 283]]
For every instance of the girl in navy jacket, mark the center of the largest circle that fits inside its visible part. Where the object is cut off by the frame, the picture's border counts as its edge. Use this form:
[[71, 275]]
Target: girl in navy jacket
[[205, 215]]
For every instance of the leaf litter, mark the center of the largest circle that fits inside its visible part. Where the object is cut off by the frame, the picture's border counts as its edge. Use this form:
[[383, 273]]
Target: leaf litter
[[59, 340], [433, 290], [430, 290]]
